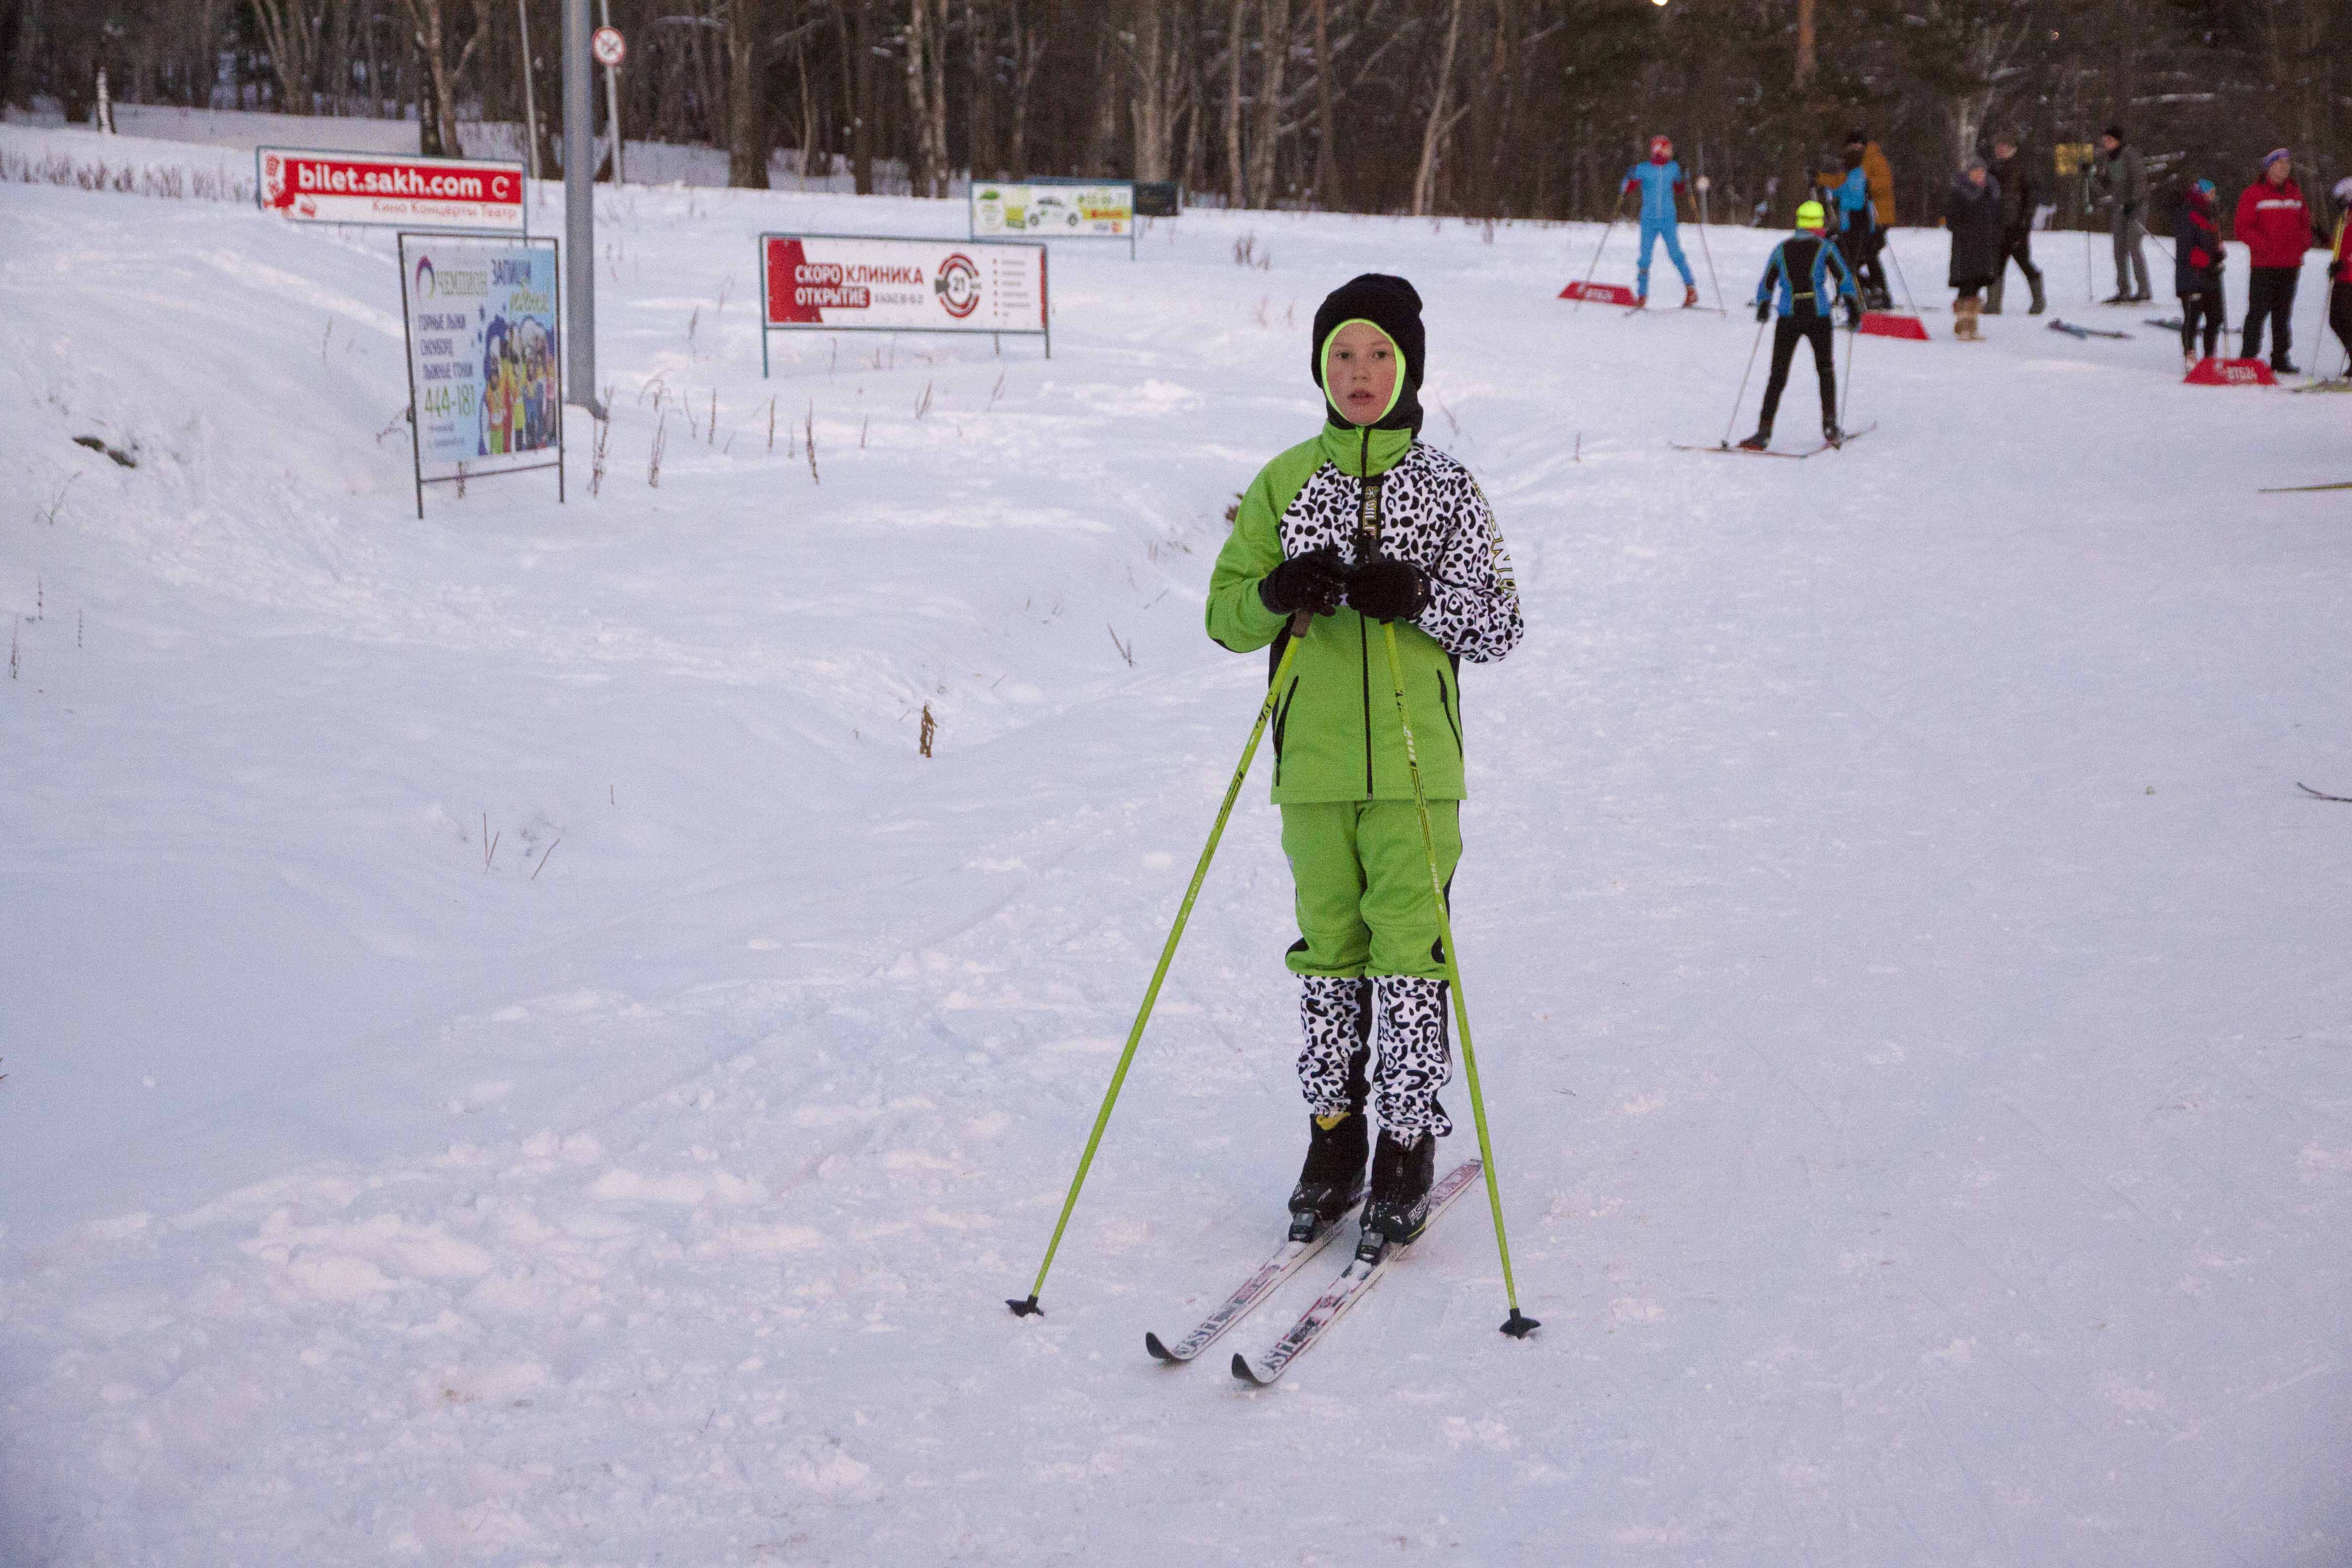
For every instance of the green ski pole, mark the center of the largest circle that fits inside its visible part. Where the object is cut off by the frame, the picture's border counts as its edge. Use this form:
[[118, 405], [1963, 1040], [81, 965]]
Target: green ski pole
[[1518, 1325], [1025, 1308]]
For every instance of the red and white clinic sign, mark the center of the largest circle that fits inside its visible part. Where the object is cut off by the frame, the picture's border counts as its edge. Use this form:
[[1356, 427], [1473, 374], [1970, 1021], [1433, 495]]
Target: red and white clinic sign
[[607, 45], [310, 186]]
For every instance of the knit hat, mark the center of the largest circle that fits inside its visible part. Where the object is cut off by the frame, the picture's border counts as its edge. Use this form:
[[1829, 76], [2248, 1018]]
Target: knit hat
[[2344, 189], [1973, 164], [1391, 304], [2277, 155], [2116, 131]]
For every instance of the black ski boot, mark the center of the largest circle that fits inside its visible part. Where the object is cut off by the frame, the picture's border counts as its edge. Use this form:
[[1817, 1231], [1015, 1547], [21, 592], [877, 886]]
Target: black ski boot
[[1402, 1177], [1335, 1015], [1333, 1177], [1830, 434], [1759, 441], [2041, 301]]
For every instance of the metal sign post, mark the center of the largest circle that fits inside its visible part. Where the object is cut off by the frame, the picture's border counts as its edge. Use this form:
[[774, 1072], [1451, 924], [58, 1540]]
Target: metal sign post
[[579, 215], [611, 50]]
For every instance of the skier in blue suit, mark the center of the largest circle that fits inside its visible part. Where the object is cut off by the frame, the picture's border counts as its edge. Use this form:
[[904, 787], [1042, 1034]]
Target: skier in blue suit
[[1660, 181]]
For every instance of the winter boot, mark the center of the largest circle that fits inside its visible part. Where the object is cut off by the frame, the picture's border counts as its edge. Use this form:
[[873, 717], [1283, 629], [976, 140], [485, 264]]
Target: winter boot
[[1992, 304], [1830, 434], [1335, 1019], [1964, 321], [1759, 442], [2040, 302], [1333, 1177], [2284, 366], [1402, 1173], [1690, 295]]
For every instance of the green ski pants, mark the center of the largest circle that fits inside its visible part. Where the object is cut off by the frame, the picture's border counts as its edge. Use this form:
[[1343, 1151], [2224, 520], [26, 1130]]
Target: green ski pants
[[1362, 881]]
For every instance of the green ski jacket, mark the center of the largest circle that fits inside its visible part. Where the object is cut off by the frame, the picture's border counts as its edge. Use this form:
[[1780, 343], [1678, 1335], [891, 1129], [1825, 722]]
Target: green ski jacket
[[1335, 730]]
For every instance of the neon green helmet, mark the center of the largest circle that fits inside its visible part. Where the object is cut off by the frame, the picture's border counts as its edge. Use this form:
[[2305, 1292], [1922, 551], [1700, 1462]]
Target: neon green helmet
[[1810, 216]]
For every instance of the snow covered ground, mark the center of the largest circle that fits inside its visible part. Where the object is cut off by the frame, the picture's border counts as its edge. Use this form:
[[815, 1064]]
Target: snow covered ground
[[1910, 986]]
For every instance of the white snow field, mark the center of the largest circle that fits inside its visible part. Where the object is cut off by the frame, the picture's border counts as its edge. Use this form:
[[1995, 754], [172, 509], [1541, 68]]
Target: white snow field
[[1910, 988]]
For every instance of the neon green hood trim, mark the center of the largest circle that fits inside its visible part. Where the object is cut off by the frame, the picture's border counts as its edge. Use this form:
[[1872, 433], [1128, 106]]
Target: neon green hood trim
[[1396, 389]]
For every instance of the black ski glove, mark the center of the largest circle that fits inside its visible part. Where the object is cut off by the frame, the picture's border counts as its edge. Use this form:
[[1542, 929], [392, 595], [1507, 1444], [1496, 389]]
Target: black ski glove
[[1852, 313], [1315, 581], [1763, 310], [1383, 589]]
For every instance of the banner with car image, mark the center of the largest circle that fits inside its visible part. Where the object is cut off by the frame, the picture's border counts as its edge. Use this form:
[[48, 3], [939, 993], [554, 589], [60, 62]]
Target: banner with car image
[[1054, 209]]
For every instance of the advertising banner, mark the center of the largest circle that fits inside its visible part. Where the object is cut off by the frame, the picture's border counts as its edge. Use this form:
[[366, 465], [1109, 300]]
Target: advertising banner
[[1053, 209], [306, 186], [485, 373], [862, 283]]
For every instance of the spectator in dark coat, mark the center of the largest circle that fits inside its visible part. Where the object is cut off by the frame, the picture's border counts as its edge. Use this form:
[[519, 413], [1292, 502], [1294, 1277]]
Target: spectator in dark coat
[[1972, 212], [2018, 197], [2197, 260]]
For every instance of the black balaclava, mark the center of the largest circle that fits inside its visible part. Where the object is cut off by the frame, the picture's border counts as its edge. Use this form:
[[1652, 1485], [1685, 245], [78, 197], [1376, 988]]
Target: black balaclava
[[1391, 304]]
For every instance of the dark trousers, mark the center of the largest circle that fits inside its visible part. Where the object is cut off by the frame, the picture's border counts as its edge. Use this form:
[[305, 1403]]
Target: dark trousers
[[1859, 242], [2205, 307], [2016, 245], [2339, 317], [2270, 296], [1815, 330]]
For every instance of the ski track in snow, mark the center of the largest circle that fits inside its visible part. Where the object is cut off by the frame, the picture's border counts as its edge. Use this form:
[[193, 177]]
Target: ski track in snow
[[1908, 985]]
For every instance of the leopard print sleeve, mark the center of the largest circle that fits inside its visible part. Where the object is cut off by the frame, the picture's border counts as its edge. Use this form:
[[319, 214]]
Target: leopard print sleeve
[[1473, 601]]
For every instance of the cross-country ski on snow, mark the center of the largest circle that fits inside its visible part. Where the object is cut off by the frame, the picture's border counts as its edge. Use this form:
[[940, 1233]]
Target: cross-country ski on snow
[[1287, 1260], [1364, 1270]]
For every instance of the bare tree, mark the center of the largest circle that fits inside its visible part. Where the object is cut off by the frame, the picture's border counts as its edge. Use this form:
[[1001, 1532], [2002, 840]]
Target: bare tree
[[438, 116], [1442, 117], [290, 30], [926, 38]]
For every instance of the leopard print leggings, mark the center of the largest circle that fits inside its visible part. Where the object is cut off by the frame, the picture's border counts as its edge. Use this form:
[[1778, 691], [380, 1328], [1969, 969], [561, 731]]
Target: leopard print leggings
[[1336, 1017]]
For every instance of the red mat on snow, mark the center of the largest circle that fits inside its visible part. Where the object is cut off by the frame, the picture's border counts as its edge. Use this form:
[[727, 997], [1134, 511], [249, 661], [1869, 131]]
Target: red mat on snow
[[1894, 324], [2231, 373], [1602, 294]]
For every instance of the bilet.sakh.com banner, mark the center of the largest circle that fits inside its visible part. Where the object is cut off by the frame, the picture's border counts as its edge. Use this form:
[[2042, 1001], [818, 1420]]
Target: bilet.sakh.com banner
[[902, 285], [307, 186], [482, 354], [1105, 210]]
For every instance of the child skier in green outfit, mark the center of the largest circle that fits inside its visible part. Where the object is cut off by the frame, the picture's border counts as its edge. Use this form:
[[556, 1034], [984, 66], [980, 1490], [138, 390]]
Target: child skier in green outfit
[[1364, 524]]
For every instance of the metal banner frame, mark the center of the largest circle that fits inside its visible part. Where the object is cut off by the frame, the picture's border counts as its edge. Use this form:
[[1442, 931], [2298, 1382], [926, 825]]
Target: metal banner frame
[[408, 364], [1045, 293]]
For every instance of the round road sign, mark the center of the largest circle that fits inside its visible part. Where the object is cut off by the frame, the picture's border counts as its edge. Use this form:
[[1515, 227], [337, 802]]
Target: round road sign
[[607, 45]]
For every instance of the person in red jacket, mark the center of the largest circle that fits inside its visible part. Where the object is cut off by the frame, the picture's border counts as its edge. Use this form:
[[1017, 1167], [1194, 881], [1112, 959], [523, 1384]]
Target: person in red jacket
[[2276, 227], [2339, 274]]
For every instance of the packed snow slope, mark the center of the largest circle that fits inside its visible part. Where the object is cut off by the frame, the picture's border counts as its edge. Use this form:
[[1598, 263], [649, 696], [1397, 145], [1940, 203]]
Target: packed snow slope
[[1910, 988]]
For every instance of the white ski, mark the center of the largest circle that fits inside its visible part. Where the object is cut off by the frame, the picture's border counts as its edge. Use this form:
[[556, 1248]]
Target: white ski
[[1287, 1260], [1354, 1281]]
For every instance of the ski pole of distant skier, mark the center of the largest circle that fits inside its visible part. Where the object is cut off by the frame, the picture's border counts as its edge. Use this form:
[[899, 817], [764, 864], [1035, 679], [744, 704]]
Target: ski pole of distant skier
[[1908, 299], [1594, 270], [1744, 375], [1299, 624], [1518, 1325], [1845, 391], [1707, 251]]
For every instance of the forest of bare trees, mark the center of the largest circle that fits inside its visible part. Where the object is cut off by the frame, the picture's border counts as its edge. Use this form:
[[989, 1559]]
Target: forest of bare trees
[[1481, 108]]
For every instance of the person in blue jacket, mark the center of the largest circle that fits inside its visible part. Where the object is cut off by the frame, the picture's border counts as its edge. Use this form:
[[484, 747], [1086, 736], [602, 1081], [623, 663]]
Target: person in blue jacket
[[1797, 280], [1859, 238], [1660, 181]]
